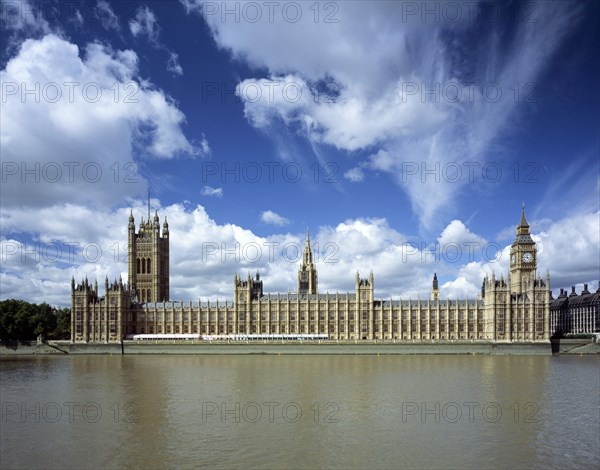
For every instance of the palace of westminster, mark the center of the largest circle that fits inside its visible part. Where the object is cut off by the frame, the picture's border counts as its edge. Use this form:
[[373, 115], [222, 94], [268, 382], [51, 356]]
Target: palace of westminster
[[518, 308]]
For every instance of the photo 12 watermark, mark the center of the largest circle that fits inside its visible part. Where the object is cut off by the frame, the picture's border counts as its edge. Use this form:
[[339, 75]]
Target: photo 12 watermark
[[451, 252], [457, 92], [470, 412], [68, 92], [253, 252], [269, 12], [450, 12], [54, 252], [71, 172], [270, 412], [254, 172], [271, 91], [469, 172], [68, 412]]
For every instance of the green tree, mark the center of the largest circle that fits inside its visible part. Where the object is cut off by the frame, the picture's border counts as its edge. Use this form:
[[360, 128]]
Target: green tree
[[20, 320], [63, 323]]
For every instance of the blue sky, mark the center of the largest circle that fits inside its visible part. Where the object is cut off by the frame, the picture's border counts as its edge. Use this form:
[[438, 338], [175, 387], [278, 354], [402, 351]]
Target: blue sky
[[395, 131]]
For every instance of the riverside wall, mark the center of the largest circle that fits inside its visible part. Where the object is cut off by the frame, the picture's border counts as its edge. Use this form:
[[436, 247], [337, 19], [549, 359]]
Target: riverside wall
[[573, 346]]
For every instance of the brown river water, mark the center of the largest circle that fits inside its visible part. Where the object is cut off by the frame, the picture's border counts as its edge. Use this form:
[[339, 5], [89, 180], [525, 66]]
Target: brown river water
[[257, 411]]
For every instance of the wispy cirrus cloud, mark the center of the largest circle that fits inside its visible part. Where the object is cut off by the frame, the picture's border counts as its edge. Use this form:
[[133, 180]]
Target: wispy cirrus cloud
[[145, 24], [212, 192], [405, 88], [107, 16]]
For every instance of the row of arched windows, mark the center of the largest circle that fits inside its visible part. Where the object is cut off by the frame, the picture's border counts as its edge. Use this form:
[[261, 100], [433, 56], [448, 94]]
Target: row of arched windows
[[144, 295], [144, 266]]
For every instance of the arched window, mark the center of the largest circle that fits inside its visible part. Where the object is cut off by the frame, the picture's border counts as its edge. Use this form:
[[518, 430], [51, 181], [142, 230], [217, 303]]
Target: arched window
[[139, 298], [143, 265], [138, 265], [148, 265]]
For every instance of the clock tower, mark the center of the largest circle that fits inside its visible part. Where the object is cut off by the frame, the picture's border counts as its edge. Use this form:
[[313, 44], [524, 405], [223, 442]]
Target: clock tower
[[523, 259]]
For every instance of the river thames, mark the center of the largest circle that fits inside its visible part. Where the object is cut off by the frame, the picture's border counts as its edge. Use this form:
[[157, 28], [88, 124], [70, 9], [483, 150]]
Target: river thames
[[259, 411]]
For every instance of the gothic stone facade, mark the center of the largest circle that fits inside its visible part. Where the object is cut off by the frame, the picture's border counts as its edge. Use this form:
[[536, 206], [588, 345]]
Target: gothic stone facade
[[511, 309]]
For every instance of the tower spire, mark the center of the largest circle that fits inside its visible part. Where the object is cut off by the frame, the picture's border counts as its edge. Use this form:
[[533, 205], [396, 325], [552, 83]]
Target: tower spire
[[307, 275], [435, 291], [523, 221], [307, 258]]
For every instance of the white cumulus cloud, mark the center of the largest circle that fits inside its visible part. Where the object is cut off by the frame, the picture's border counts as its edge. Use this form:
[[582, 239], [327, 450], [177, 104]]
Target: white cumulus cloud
[[270, 217], [82, 131], [356, 175], [400, 269], [457, 232]]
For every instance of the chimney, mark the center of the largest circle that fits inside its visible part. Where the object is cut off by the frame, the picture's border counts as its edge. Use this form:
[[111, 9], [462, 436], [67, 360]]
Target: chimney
[[585, 290], [573, 293]]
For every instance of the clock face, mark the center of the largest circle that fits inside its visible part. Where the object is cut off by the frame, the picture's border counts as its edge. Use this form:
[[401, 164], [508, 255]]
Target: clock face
[[527, 257]]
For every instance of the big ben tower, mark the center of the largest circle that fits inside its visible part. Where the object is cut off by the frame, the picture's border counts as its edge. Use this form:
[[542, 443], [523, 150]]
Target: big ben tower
[[523, 262]]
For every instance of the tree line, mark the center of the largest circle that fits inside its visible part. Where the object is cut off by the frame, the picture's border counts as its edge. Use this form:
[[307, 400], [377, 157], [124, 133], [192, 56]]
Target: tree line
[[20, 320]]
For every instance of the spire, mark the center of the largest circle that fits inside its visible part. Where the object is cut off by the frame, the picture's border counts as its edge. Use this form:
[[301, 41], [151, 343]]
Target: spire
[[523, 232], [523, 221], [307, 274], [435, 291], [156, 221], [307, 258]]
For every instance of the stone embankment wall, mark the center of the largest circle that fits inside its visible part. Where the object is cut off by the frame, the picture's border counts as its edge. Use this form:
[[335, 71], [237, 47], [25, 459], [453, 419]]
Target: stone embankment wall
[[199, 347]]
